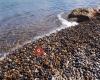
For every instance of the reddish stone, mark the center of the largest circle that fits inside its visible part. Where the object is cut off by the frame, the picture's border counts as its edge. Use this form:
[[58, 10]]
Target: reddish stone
[[39, 51]]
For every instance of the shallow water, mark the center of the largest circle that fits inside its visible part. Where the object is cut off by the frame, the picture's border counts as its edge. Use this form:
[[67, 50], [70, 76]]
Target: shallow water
[[22, 20]]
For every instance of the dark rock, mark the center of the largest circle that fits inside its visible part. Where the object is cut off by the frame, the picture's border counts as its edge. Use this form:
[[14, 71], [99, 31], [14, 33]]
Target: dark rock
[[84, 14]]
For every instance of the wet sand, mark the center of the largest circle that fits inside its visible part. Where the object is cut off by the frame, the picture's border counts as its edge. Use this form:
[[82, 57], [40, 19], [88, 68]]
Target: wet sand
[[70, 54]]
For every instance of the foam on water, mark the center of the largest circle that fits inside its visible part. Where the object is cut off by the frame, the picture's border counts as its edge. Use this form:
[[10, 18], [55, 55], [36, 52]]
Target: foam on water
[[64, 24], [3, 56]]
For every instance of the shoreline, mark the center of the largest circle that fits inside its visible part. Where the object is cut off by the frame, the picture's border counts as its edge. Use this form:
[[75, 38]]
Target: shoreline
[[71, 53], [64, 24]]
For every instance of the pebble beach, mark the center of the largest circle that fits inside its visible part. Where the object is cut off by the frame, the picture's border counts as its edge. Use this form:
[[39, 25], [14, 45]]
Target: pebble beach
[[70, 54]]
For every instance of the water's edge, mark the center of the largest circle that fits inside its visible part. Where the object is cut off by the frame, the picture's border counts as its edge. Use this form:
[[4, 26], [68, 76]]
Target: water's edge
[[64, 24]]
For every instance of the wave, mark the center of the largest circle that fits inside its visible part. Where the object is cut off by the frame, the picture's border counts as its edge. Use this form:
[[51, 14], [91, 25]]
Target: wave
[[64, 24]]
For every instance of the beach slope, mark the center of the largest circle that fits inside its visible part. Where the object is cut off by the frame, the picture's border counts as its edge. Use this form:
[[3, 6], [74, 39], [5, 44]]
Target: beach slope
[[70, 54]]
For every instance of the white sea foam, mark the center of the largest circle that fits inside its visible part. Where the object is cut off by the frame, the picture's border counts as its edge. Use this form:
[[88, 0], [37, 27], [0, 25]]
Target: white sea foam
[[3, 56], [64, 24]]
